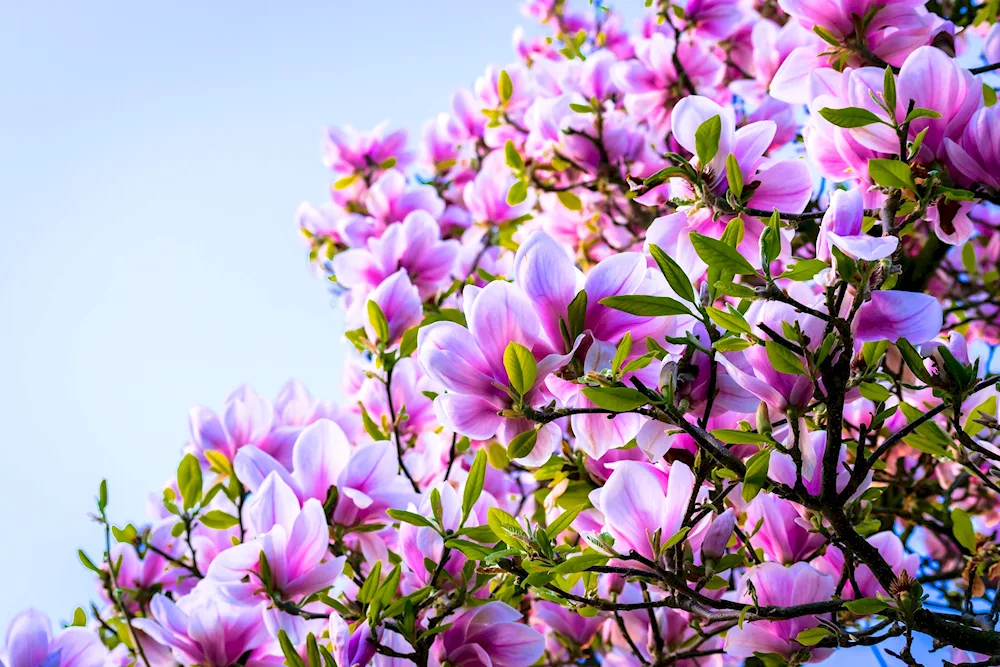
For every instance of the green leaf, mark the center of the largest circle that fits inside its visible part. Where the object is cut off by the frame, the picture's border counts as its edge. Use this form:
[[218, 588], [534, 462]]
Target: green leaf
[[735, 290], [506, 527], [734, 176], [918, 141], [470, 549], [913, 360], [719, 255], [662, 175], [849, 117], [378, 321], [813, 636], [522, 444], [928, 437], [989, 95], [102, 495], [514, 160], [783, 359], [889, 89], [676, 538], [706, 139], [569, 200], [410, 517], [731, 344], [865, 606], [87, 563], [804, 269], [921, 113], [646, 305], [474, 483], [616, 399], [504, 87], [522, 370], [756, 474], [218, 520], [518, 193], [79, 618], [734, 436], [730, 320], [579, 563], [189, 481], [371, 583], [292, 658], [961, 527], [577, 314], [875, 392], [622, 352], [893, 174], [672, 271], [563, 521]]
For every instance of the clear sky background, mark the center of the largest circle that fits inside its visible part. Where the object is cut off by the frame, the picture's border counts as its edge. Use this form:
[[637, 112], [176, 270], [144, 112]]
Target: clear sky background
[[153, 156]]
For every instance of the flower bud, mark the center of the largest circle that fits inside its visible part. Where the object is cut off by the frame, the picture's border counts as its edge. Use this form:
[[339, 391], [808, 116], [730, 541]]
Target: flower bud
[[718, 535], [763, 419]]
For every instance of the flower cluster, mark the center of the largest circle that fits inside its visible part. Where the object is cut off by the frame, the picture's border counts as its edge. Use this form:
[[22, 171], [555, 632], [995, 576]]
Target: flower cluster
[[672, 349]]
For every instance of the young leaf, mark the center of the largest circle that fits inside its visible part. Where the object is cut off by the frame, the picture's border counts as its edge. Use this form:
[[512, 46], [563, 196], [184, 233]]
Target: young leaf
[[505, 88], [889, 89], [865, 606], [849, 117], [218, 520], [189, 481], [522, 444], [616, 399], [804, 269], [474, 483], [569, 200], [893, 174], [783, 359], [962, 528], [646, 305], [734, 176], [521, 367], [622, 352], [813, 636], [730, 320], [378, 321], [518, 193], [671, 270], [722, 256], [706, 139], [921, 113]]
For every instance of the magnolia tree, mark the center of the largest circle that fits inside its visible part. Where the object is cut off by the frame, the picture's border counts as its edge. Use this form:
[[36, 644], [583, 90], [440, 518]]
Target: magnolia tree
[[672, 349]]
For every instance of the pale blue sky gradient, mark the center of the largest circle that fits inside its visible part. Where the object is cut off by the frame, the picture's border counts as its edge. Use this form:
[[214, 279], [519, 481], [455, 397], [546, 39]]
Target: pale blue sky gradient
[[153, 158]]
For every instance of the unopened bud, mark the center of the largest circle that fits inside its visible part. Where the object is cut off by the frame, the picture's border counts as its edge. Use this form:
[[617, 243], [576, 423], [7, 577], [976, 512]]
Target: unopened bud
[[718, 535], [763, 419], [704, 297]]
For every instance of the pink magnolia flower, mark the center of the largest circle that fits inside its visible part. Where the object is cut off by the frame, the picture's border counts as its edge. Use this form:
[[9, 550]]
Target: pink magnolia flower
[[785, 535], [367, 479], [399, 300], [246, 419], [30, 643], [891, 315], [295, 546], [555, 618], [469, 362], [201, 629], [841, 227], [776, 584], [975, 156], [414, 245], [640, 499], [718, 535], [390, 198], [490, 635], [784, 184], [486, 195], [352, 648], [347, 150], [650, 79], [891, 548]]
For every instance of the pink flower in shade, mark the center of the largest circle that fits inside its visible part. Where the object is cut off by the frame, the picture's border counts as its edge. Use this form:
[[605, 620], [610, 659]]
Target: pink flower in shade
[[891, 548], [551, 617], [469, 362], [974, 155], [490, 635], [246, 419], [414, 245], [891, 315], [784, 470], [784, 184], [785, 535], [295, 545], [352, 648], [203, 630], [776, 584], [841, 227], [649, 81], [390, 198], [347, 150], [400, 302], [486, 195], [991, 47], [640, 499], [30, 643]]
